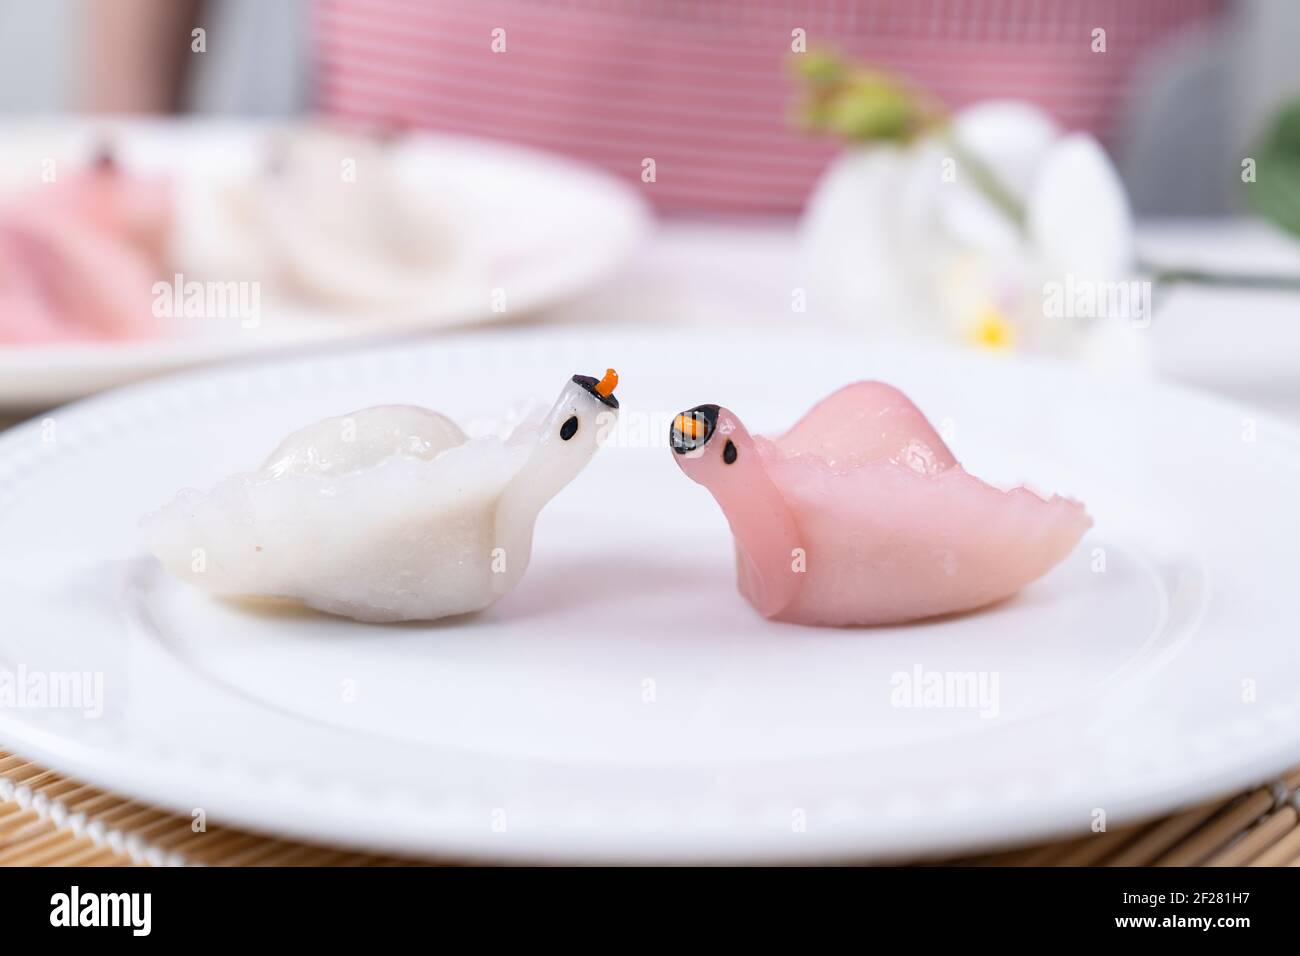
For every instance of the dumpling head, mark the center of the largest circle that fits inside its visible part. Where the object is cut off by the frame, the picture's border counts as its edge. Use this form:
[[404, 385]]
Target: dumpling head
[[583, 415], [581, 418], [712, 446], [714, 449]]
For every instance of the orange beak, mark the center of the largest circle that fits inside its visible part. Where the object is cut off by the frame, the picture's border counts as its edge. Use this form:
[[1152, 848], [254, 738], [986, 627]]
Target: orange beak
[[688, 426], [692, 428], [605, 387]]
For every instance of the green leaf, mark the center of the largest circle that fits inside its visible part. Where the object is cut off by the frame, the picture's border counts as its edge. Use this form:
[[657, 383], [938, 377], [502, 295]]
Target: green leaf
[[820, 69], [1275, 194], [871, 109], [859, 104]]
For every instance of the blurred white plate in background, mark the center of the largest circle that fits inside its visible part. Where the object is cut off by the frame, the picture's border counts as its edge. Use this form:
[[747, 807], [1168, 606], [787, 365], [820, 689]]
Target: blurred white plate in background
[[536, 228], [1243, 343], [623, 702]]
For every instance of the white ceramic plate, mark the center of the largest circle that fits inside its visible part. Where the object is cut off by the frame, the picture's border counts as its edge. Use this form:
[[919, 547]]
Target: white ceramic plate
[[535, 227], [623, 702]]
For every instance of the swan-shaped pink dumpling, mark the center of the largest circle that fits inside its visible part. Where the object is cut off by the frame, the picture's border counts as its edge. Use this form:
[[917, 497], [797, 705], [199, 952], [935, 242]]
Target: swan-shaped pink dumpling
[[861, 515]]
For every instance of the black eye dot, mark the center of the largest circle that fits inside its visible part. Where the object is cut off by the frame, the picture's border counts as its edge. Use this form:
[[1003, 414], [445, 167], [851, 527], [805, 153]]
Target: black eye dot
[[729, 452], [569, 428]]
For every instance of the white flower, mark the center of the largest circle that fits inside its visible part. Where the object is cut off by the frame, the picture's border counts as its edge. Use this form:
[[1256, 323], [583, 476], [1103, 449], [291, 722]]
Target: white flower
[[909, 239]]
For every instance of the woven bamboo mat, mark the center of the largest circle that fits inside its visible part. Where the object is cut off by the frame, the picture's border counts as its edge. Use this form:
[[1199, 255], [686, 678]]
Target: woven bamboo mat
[[49, 820]]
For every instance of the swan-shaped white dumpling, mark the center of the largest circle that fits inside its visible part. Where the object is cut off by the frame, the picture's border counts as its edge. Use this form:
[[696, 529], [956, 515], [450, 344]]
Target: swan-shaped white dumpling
[[330, 217], [388, 514]]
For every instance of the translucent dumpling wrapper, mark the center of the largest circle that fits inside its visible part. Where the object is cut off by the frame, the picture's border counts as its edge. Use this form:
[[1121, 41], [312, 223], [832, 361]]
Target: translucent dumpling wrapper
[[860, 514], [392, 513]]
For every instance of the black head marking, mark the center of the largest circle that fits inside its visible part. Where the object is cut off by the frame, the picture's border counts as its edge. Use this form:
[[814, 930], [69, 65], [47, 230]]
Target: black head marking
[[590, 383], [700, 422]]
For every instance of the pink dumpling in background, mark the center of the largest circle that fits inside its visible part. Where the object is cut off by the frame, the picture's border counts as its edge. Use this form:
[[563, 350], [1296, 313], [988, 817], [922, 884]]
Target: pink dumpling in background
[[79, 257]]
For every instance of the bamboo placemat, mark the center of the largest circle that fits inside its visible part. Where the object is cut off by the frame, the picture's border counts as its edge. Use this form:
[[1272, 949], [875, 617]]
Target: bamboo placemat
[[47, 819]]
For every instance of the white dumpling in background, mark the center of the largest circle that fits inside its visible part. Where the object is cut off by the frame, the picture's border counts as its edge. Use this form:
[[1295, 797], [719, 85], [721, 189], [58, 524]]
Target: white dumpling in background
[[391, 513], [330, 218]]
